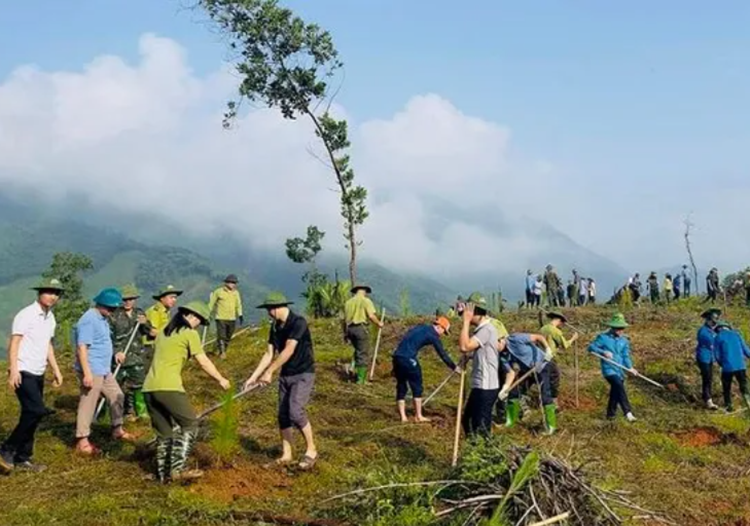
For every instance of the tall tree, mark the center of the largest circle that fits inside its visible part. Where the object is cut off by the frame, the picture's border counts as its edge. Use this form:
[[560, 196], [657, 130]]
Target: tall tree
[[68, 267], [284, 63]]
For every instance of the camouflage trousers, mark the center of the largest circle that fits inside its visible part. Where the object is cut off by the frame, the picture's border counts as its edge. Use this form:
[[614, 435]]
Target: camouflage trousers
[[133, 371]]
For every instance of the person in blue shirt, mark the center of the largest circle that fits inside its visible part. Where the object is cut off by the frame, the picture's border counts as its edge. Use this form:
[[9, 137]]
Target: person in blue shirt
[[615, 346], [519, 354], [406, 366], [686, 281], [677, 286], [731, 352], [704, 355], [530, 280]]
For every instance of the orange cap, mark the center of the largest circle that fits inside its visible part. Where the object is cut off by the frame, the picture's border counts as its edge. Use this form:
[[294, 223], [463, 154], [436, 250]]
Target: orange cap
[[443, 322]]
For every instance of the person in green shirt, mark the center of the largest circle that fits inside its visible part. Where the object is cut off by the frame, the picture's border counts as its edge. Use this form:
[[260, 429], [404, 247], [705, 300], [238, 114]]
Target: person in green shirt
[[225, 305], [552, 332], [172, 416], [358, 312], [157, 315]]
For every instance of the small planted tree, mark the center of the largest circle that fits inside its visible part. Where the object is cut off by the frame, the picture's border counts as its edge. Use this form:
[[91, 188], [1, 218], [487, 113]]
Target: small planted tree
[[284, 63], [68, 267]]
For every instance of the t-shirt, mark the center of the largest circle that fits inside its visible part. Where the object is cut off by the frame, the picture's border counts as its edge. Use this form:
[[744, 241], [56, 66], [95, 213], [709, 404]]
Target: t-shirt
[[36, 329], [170, 354], [485, 362], [228, 304], [419, 337], [522, 350], [555, 338], [295, 328], [502, 332], [93, 331], [358, 309]]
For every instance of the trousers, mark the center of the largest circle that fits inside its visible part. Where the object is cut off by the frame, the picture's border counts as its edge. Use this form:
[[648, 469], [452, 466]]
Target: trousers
[[30, 395], [617, 396], [726, 384], [707, 380]]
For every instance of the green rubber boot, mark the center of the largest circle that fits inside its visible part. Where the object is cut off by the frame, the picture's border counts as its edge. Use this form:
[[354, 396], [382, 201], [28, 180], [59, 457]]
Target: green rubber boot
[[512, 410], [550, 416], [139, 402], [361, 375]]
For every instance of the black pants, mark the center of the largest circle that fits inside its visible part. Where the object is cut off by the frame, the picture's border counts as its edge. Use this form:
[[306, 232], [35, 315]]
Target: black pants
[[359, 337], [707, 380], [726, 384], [553, 370], [408, 376], [167, 408], [617, 396], [31, 397], [478, 411], [542, 379], [224, 333]]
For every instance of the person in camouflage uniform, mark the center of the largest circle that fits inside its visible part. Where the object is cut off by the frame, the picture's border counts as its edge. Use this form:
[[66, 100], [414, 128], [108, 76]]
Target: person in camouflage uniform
[[133, 370], [553, 285]]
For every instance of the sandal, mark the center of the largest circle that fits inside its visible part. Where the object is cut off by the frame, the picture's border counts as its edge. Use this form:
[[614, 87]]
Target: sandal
[[89, 449], [278, 463], [307, 463], [124, 436]]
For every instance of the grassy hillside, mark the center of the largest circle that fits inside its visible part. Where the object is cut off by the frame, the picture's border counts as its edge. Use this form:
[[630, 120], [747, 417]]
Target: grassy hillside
[[683, 462]]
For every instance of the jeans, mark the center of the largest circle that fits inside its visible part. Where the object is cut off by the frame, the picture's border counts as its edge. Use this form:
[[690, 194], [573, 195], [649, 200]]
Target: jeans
[[707, 380], [477, 417], [726, 384], [617, 396], [408, 375], [31, 397]]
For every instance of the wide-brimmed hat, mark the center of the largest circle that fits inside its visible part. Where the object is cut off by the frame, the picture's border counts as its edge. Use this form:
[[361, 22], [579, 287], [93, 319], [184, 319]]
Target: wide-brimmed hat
[[710, 313], [274, 299], [723, 325], [617, 321], [361, 286], [479, 300], [129, 292], [231, 278], [198, 308], [49, 284], [166, 291], [443, 322], [109, 297], [556, 314]]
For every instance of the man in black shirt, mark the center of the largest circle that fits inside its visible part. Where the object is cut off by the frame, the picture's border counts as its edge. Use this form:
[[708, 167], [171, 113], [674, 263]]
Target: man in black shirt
[[290, 350]]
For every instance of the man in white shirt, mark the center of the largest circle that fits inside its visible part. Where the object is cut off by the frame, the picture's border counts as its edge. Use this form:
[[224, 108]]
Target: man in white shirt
[[29, 352]]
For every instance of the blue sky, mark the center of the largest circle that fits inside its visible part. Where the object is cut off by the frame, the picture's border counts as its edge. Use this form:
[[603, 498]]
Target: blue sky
[[648, 95]]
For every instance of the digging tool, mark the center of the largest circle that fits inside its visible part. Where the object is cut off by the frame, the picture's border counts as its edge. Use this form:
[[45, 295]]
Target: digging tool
[[575, 362], [524, 377], [639, 375], [541, 402], [377, 346], [216, 407], [205, 333], [119, 365], [457, 438], [438, 388]]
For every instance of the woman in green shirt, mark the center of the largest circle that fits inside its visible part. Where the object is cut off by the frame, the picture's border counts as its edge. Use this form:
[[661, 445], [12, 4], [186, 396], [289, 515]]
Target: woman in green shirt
[[172, 416]]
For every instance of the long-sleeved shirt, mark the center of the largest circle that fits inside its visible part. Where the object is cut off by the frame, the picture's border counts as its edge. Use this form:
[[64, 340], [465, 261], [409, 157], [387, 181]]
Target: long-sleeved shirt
[[619, 346], [416, 339], [228, 304], [555, 338], [730, 350], [704, 351], [712, 283], [530, 283], [158, 318]]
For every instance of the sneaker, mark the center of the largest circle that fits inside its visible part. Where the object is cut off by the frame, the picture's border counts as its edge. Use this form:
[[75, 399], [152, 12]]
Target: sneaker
[[27, 465], [631, 417], [711, 405], [6, 462]]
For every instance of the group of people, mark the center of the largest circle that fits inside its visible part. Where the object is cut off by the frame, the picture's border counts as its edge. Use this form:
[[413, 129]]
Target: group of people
[[580, 290], [135, 359], [672, 287]]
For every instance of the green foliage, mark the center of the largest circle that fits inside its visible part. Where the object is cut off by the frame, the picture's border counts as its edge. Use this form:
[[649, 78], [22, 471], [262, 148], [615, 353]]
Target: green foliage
[[225, 441], [68, 267], [528, 470], [625, 300], [305, 250], [403, 298], [167, 266], [326, 299], [483, 461]]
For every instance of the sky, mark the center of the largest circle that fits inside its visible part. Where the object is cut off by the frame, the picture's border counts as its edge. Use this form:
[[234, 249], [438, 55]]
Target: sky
[[611, 121]]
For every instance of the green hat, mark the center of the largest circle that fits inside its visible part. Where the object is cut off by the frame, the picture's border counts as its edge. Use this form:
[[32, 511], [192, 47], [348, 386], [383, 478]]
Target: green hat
[[274, 299], [555, 314], [617, 321], [198, 308], [169, 289], [129, 292], [711, 313], [361, 286], [723, 325], [49, 284], [478, 299]]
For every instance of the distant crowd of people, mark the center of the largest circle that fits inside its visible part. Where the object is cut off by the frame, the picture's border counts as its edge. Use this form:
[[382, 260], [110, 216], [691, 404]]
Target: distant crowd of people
[[580, 290]]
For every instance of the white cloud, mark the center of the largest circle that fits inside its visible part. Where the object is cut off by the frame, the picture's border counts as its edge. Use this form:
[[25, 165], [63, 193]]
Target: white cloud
[[148, 137]]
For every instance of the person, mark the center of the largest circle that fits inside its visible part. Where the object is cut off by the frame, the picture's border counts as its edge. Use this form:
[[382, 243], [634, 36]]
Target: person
[[686, 281], [225, 305], [747, 289], [577, 287], [481, 343], [460, 305], [731, 353], [572, 293], [552, 284], [123, 322], [538, 290], [653, 287], [583, 292], [704, 355], [614, 345], [712, 285], [556, 341], [521, 353], [157, 316], [94, 353], [290, 351], [529, 288], [592, 291], [636, 288], [677, 285], [172, 416], [668, 288], [358, 311], [29, 352], [406, 366]]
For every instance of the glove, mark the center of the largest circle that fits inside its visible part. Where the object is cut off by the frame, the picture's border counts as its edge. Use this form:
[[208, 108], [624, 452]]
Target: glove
[[242, 320], [504, 392], [548, 355]]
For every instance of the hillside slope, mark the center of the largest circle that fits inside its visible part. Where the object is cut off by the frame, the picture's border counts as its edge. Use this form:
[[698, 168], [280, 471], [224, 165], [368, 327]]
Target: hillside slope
[[678, 460]]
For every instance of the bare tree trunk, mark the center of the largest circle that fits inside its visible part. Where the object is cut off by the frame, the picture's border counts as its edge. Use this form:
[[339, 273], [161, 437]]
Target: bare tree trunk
[[352, 254], [688, 228]]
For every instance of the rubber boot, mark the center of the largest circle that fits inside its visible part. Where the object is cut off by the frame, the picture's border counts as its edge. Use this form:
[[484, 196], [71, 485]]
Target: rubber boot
[[163, 454], [222, 349], [183, 444], [141, 410], [550, 416], [361, 375], [512, 411]]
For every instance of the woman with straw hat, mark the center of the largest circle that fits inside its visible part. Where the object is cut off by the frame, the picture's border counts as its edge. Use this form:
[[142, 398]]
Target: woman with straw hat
[[168, 404], [615, 346]]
